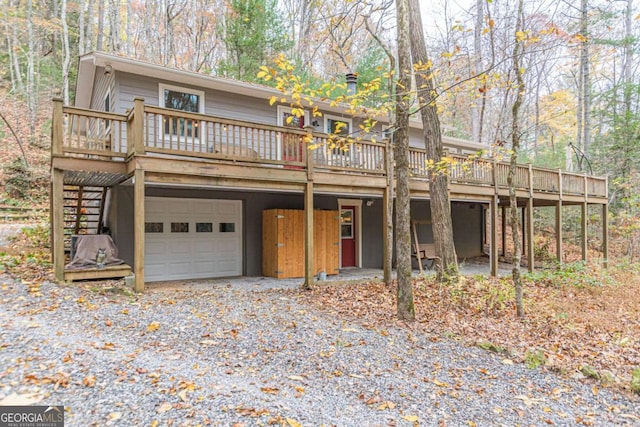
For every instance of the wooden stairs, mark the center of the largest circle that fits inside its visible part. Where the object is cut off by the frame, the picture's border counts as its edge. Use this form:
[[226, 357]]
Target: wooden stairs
[[83, 211]]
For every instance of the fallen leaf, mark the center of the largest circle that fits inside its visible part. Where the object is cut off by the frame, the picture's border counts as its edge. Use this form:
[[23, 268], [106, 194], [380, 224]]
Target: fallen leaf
[[270, 390], [89, 381], [166, 406], [293, 423], [153, 326], [296, 378], [410, 418], [115, 416]]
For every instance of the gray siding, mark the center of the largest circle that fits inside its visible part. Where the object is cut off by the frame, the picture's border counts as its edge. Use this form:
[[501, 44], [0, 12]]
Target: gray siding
[[467, 220], [217, 103], [101, 85]]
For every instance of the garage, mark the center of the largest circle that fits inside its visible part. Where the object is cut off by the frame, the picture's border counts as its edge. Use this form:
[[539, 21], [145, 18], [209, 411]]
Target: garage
[[192, 238]]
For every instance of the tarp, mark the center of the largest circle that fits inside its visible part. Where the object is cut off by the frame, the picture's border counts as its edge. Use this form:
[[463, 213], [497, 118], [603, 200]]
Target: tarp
[[86, 253]]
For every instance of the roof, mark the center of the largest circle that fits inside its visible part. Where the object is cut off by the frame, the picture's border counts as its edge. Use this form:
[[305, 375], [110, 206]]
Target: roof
[[90, 61]]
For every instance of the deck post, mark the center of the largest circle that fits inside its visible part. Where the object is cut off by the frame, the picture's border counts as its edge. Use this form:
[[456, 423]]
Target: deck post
[[605, 235], [583, 224], [494, 236], [530, 247], [57, 131], [387, 214], [138, 229], [308, 222], [503, 230], [137, 126], [559, 231], [57, 222]]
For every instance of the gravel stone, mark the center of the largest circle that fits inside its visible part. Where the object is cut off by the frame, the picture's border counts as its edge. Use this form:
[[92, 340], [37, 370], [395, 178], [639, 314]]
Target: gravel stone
[[223, 352]]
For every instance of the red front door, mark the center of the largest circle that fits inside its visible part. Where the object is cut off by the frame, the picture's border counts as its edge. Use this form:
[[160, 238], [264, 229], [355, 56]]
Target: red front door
[[348, 235]]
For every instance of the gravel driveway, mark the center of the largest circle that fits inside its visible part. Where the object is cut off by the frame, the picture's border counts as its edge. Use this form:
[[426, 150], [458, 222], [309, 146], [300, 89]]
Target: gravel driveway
[[235, 356]]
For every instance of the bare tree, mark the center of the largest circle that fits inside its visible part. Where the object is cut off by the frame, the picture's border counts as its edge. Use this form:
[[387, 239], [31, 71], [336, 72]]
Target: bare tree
[[438, 180]]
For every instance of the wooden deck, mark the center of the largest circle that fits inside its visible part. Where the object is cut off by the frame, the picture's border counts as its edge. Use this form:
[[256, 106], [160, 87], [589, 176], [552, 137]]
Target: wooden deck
[[152, 145], [277, 156]]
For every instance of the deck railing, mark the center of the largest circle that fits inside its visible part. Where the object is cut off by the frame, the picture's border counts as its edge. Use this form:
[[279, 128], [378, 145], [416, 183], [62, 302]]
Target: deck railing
[[161, 131], [89, 133]]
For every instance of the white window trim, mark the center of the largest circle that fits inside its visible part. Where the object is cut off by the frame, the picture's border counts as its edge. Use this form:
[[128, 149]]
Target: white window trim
[[280, 122], [328, 117], [201, 104], [163, 86], [357, 216]]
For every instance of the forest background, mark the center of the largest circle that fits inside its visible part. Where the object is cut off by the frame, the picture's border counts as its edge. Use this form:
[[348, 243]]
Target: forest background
[[580, 109]]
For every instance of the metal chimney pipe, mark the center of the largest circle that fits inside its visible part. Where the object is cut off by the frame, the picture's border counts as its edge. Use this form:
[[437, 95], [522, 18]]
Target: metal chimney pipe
[[352, 81]]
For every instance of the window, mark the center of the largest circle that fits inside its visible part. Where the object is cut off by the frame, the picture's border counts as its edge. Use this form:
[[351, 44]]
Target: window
[[204, 227], [295, 122], [340, 128], [179, 227], [346, 223], [153, 227], [107, 108], [183, 99]]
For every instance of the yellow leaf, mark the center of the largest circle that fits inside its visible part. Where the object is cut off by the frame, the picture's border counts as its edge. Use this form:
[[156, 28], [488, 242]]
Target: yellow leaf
[[262, 74], [293, 423], [440, 383], [411, 418], [521, 36], [289, 119], [153, 326], [273, 100]]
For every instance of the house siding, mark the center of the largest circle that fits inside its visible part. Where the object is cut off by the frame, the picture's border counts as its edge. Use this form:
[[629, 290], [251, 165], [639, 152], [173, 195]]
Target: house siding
[[466, 221]]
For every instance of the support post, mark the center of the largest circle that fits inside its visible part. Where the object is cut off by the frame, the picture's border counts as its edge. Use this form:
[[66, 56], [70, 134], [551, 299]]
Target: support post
[[530, 238], [584, 207], [605, 235], [137, 126], [503, 230], [494, 236], [559, 231], [138, 229], [308, 235], [308, 222], [523, 225], [57, 222], [387, 214]]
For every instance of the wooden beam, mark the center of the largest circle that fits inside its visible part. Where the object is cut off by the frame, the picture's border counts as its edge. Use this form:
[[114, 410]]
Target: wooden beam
[[503, 230], [137, 126], [583, 224], [605, 235], [138, 230], [386, 242], [559, 250], [308, 235], [494, 236], [530, 235], [57, 222]]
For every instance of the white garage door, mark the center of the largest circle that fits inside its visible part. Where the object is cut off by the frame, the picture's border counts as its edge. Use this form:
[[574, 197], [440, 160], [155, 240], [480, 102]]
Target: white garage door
[[192, 238]]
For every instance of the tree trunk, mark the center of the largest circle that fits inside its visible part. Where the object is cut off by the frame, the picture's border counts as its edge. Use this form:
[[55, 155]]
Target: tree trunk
[[100, 35], [513, 164], [31, 77], [405, 306], [66, 59], [476, 125], [438, 180], [584, 84]]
